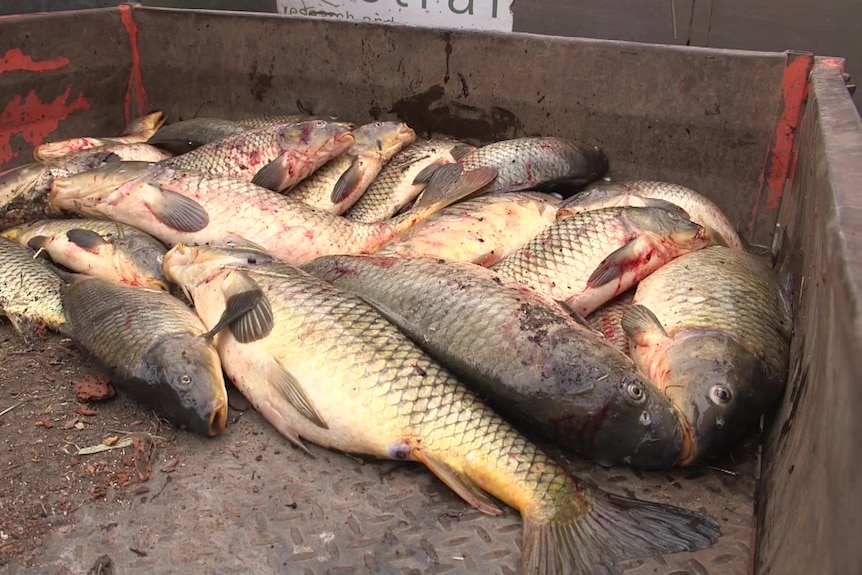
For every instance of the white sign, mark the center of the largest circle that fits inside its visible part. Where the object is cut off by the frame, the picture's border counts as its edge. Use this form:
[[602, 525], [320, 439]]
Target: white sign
[[474, 14]]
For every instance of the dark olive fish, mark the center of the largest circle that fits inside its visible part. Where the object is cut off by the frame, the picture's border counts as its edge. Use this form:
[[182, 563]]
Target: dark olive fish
[[187, 135], [529, 358], [155, 348], [712, 329]]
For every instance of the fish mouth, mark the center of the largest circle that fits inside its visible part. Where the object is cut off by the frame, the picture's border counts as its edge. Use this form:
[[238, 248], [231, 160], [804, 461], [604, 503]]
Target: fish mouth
[[176, 259], [345, 138], [405, 131], [218, 418], [688, 453], [64, 189]]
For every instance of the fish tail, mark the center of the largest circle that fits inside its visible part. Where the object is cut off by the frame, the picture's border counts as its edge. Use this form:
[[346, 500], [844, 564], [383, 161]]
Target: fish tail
[[449, 184], [612, 529]]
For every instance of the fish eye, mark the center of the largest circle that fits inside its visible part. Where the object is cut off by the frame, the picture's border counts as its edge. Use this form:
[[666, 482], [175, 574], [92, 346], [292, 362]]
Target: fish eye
[[185, 380], [635, 391], [720, 394]]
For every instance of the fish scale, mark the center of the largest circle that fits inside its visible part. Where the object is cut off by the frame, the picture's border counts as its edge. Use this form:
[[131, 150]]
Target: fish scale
[[102, 319], [145, 195], [341, 338], [527, 357], [244, 155], [727, 301], [560, 261], [374, 392], [393, 188], [29, 291], [527, 162], [152, 345]]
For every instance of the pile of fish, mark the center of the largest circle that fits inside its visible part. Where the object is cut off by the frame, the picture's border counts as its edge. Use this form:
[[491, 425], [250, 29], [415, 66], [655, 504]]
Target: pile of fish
[[414, 299]]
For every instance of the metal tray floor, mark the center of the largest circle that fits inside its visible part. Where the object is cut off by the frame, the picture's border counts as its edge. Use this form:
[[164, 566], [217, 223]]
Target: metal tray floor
[[248, 502]]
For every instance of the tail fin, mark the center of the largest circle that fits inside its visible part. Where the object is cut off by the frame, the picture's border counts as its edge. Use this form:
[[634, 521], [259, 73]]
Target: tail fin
[[449, 184], [614, 528]]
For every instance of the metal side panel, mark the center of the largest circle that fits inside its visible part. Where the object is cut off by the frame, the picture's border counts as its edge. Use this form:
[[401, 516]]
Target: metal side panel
[[62, 74], [699, 117], [809, 515]]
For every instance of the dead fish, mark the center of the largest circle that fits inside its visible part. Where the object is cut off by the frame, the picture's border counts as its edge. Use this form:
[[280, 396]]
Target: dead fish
[[117, 252], [645, 193], [547, 164], [138, 131], [531, 360], [607, 320], [275, 158], [24, 190], [276, 120], [29, 292], [339, 183], [712, 329], [322, 365], [393, 188], [187, 135], [482, 230], [588, 259], [185, 206], [154, 347]]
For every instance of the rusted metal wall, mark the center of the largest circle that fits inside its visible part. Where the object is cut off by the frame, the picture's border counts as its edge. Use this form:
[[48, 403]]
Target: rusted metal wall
[[693, 116], [61, 75], [810, 499]]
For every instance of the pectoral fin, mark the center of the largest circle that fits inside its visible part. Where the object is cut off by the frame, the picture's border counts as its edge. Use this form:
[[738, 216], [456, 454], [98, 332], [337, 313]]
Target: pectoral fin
[[37, 243], [291, 390], [86, 239], [348, 182], [613, 266], [237, 306], [642, 326], [273, 176], [242, 293], [178, 212], [458, 151], [424, 176], [457, 482]]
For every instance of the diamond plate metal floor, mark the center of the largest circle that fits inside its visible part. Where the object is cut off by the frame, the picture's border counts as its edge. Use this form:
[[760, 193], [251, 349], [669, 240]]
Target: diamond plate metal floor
[[249, 503]]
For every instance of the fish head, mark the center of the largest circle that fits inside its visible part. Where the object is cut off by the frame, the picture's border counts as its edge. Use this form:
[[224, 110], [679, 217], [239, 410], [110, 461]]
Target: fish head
[[383, 138], [82, 191], [187, 265], [596, 197], [639, 426], [185, 378], [670, 224], [316, 135], [139, 261], [719, 389]]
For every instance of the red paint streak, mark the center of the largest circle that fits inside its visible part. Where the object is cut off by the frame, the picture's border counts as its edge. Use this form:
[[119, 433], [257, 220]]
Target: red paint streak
[[136, 82], [15, 60], [779, 153], [34, 119]]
